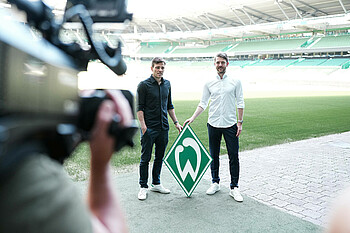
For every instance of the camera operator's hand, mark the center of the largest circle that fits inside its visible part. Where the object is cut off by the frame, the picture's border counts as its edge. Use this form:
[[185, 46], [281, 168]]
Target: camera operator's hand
[[101, 143], [107, 214]]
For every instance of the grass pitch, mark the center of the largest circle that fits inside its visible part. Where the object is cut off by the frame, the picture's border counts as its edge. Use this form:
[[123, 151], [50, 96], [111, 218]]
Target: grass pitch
[[267, 121]]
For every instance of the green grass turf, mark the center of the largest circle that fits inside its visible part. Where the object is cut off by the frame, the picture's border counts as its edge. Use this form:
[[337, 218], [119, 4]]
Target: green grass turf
[[267, 121]]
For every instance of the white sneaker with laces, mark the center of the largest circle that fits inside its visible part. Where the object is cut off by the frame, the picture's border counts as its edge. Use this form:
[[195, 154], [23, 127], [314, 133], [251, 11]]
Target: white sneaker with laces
[[159, 188], [236, 194], [214, 187], [142, 194]]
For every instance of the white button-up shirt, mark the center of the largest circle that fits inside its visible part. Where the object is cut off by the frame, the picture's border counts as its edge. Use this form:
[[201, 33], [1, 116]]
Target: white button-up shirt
[[225, 96]]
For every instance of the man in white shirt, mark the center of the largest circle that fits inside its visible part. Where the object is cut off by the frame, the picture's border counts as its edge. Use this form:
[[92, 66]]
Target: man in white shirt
[[225, 94]]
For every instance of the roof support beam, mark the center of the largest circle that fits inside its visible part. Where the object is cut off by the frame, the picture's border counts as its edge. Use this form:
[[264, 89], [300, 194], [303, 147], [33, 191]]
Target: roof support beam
[[250, 18], [284, 13], [206, 15], [216, 19], [262, 13], [342, 5], [77, 35], [296, 9], [314, 8], [203, 22], [161, 28], [168, 25], [177, 25], [224, 20], [185, 25], [150, 24], [240, 20], [140, 28], [110, 44], [191, 22]]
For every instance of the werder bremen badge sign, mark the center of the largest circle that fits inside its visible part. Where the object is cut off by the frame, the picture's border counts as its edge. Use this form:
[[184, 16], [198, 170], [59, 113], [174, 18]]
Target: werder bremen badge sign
[[187, 160]]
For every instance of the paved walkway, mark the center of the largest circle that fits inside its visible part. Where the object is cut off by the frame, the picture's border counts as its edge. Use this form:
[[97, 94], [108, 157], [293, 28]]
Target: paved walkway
[[286, 188], [301, 178]]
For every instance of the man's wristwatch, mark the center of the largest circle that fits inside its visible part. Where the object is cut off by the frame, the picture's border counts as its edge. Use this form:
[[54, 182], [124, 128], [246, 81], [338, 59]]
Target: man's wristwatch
[[240, 121], [175, 122]]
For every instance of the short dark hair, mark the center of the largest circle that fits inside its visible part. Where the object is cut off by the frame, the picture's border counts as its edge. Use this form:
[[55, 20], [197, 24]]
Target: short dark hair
[[157, 60], [222, 55]]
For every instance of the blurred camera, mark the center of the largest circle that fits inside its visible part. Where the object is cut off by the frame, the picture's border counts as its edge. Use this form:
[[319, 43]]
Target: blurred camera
[[40, 103], [104, 10], [88, 110]]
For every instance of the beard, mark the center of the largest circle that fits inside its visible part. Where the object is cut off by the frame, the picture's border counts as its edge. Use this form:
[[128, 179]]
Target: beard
[[221, 70]]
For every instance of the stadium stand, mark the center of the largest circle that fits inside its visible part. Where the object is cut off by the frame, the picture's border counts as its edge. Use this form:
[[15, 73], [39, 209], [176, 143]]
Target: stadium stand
[[333, 41], [272, 45], [331, 62], [242, 63], [284, 62], [335, 62], [307, 51], [310, 62], [273, 62], [155, 47], [206, 49]]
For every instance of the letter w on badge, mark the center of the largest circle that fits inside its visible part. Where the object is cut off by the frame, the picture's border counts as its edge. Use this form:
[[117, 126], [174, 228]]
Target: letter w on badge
[[187, 148], [188, 169]]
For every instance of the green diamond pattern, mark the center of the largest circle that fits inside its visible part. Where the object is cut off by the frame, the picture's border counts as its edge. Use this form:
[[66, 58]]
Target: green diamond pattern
[[187, 160]]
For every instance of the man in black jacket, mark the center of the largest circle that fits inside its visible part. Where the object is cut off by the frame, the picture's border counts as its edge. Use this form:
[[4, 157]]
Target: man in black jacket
[[154, 104]]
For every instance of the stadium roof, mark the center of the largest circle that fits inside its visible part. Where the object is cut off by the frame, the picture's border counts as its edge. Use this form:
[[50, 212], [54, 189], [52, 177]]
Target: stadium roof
[[227, 19], [178, 20], [194, 15]]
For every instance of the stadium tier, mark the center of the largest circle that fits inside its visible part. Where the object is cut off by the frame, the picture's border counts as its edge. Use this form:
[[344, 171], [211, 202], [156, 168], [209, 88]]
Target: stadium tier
[[335, 62], [205, 49], [156, 47], [332, 41], [310, 62], [241, 63], [331, 50], [271, 45], [247, 46], [330, 62]]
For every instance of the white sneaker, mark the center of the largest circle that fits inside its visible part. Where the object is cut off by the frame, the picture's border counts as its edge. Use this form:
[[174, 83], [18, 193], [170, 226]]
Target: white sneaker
[[159, 188], [236, 194], [142, 194], [214, 187]]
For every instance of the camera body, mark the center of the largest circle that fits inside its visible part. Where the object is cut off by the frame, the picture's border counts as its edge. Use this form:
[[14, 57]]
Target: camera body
[[88, 109], [35, 76], [105, 10], [40, 103]]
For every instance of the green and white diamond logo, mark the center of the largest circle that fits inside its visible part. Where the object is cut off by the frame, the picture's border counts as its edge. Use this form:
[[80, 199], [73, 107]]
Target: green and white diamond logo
[[187, 160]]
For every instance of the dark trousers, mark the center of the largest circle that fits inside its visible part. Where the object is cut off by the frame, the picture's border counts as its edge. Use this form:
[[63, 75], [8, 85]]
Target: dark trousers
[[152, 137], [232, 145]]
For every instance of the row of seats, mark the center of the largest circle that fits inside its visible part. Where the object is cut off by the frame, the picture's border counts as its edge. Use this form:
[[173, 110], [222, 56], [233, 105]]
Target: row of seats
[[301, 62], [246, 46], [339, 62]]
